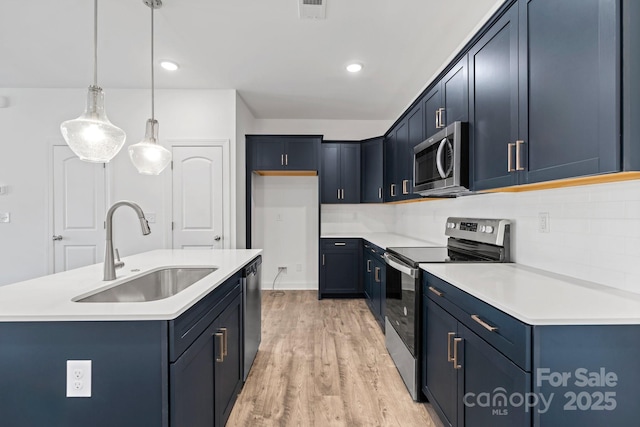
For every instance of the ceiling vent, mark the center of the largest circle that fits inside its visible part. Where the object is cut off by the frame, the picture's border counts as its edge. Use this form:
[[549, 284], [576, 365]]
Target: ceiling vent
[[312, 9]]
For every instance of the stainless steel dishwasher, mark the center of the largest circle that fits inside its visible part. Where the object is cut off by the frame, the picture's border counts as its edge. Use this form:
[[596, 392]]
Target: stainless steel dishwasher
[[252, 311]]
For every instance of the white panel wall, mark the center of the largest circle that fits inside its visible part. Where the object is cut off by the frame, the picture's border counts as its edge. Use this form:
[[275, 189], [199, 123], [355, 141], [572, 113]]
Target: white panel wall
[[331, 129], [244, 125], [594, 230], [30, 126], [285, 225], [361, 218]]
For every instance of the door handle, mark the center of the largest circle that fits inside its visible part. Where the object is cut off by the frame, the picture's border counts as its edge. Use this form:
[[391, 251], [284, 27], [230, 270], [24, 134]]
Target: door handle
[[450, 335], [436, 291], [56, 237], [322, 259], [437, 119], [368, 266], [518, 165], [456, 341], [338, 194], [405, 183], [220, 337], [484, 324], [217, 238], [224, 341], [282, 159], [377, 275], [393, 190], [509, 157], [286, 160], [339, 244], [379, 192], [342, 194], [440, 122]]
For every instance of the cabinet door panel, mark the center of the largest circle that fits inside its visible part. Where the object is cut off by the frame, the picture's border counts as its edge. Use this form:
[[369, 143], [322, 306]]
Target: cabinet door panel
[[493, 115], [301, 153], [371, 167], [571, 72], [228, 372], [486, 370], [330, 174], [441, 377], [269, 152], [455, 89], [432, 101], [350, 173], [415, 129], [340, 271], [401, 155], [390, 186]]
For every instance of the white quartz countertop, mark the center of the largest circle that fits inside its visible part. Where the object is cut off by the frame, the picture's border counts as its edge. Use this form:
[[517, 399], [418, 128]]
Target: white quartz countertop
[[49, 298], [383, 240], [538, 297]]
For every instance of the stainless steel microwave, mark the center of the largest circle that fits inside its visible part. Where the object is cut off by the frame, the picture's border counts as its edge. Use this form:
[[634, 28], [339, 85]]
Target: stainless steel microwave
[[441, 163]]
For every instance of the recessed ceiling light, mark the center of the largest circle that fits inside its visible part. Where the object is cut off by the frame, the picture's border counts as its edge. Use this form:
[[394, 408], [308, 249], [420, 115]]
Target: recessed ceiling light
[[354, 68], [169, 65]]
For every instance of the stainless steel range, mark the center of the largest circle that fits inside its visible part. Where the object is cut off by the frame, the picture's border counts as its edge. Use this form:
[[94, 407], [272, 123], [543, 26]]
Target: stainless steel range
[[470, 240]]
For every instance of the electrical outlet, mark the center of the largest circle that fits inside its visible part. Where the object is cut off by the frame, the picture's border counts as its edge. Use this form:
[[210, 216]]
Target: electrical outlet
[[78, 378], [282, 270], [543, 222]]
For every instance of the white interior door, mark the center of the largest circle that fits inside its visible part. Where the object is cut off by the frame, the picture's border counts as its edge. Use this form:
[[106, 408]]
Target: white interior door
[[78, 210], [197, 197]]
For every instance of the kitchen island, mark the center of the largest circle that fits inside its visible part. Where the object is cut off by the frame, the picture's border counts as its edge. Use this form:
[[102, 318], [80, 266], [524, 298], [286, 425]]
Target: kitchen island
[[171, 362]]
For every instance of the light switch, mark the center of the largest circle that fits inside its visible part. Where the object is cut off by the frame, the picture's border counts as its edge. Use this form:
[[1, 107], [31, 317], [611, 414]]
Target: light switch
[[5, 216]]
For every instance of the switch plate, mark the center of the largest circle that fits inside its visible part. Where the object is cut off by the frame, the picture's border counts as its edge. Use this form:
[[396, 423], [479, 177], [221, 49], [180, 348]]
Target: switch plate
[[78, 378], [5, 217], [543, 222]]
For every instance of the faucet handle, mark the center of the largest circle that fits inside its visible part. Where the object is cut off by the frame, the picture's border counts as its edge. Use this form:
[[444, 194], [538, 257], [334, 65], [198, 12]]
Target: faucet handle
[[118, 264]]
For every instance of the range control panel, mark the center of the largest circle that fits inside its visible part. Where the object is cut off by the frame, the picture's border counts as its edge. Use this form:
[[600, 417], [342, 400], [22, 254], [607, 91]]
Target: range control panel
[[490, 231]]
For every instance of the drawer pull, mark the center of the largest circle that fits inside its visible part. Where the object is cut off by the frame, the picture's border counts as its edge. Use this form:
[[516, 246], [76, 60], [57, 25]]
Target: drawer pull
[[368, 266], [377, 274], [225, 341], [449, 336], [456, 341], [436, 291], [484, 324], [220, 357], [339, 244]]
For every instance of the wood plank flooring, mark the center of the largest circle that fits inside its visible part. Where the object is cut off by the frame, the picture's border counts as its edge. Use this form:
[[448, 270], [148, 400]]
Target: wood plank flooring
[[323, 363]]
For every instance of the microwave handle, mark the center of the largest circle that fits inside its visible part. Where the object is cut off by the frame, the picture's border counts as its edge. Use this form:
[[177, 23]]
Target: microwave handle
[[441, 170]]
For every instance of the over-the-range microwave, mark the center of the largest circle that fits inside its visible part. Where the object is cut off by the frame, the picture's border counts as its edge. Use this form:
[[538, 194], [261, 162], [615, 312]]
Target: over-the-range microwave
[[441, 162]]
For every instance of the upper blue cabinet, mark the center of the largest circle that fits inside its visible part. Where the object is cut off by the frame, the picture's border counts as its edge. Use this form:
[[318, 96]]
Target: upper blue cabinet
[[544, 93], [284, 152], [371, 165], [340, 176]]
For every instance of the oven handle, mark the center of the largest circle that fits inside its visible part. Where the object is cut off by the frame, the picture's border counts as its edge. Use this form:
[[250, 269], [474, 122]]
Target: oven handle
[[400, 266]]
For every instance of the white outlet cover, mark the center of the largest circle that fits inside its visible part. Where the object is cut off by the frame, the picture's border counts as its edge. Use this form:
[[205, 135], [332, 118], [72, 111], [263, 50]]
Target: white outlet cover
[[78, 378]]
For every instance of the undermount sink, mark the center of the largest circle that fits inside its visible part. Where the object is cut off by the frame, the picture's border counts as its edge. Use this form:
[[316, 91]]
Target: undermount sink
[[152, 286]]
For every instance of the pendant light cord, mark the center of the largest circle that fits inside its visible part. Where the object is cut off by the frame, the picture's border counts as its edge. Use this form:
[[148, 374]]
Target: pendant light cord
[[152, 79], [95, 43]]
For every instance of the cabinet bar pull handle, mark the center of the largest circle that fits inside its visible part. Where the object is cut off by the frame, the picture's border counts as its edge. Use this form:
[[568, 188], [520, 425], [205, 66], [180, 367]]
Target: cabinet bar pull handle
[[393, 190], [436, 291], [282, 159], [322, 259], [368, 266], [377, 274], [509, 157], [342, 194], [450, 335], [484, 324], [286, 160], [379, 192], [437, 119], [224, 341], [405, 190], [456, 341], [338, 194], [220, 357], [518, 165], [339, 244]]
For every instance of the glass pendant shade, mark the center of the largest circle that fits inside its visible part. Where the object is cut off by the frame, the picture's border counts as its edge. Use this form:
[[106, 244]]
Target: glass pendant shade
[[149, 157], [92, 137]]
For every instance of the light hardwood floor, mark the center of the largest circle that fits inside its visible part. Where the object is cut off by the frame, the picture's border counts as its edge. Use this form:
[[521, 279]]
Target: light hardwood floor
[[323, 363]]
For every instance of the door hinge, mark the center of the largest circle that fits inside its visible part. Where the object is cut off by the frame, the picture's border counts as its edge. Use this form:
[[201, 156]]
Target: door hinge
[[104, 225], [104, 166], [172, 223], [171, 164]]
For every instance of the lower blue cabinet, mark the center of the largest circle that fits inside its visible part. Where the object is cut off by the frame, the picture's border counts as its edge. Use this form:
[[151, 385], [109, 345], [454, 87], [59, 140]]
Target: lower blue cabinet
[[340, 261], [374, 280], [206, 379]]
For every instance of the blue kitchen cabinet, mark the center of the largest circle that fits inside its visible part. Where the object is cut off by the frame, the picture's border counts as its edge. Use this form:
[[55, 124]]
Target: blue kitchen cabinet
[[340, 271], [398, 161], [448, 100], [340, 174], [371, 166], [390, 167], [283, 152], [545, 93], [374, 280]]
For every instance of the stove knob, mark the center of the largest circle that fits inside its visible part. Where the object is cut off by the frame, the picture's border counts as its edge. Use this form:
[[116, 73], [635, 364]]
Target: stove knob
[[483, 228], [488, 229], [451, 225]]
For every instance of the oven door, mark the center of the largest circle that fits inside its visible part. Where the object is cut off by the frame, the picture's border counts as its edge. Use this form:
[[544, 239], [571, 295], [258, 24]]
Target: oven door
[[402, 299]]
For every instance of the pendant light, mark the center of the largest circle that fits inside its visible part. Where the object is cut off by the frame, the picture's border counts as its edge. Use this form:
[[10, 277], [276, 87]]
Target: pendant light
[[92, 137], [149, 157]]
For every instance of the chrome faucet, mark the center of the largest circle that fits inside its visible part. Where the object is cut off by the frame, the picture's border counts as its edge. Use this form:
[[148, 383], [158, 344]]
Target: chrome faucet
[[109, 264]]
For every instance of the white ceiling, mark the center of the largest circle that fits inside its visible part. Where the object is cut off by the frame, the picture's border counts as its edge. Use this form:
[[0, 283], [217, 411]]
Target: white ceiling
[[282, 66]]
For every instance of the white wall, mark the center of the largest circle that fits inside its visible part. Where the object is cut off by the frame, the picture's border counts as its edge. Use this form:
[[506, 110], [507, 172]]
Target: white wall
[[331, 129], [245, 123], [30, 126], [594, 230], [360, 218], [285, 225]]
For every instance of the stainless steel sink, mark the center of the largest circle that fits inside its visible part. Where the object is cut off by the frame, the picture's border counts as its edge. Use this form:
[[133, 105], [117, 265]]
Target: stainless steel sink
[[153, 286]]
